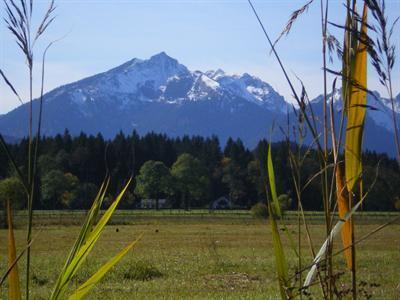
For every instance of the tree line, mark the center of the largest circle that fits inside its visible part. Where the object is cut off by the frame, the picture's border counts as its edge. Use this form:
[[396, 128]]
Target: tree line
[[188, 171]]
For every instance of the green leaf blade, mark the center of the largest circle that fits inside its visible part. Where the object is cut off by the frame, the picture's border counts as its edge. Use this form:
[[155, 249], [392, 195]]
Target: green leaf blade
[[272, 184], [90, 238], [89, 284]]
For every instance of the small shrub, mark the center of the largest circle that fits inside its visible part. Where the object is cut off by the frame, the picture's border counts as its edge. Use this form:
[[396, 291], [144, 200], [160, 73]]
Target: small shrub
[[259, 210], [143, 271], [397, 203], [285, 202], [39, 280]]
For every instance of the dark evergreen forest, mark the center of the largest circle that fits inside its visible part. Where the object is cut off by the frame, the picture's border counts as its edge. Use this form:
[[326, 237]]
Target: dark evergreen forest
[[187, 171]]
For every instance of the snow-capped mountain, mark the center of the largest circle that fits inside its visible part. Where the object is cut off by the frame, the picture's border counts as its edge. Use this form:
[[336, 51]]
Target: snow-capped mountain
[[379, 109], [162, 79], [379, 129], [160, 94], [157, 94], [383, 115]]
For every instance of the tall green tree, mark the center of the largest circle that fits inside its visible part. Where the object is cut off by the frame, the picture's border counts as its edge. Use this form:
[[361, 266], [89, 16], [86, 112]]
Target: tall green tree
[[256, 182], [79, 197], [12, 189], [191, 179], [47, 163], [154, 181], [234, 177], [237, 152], [57, 189]]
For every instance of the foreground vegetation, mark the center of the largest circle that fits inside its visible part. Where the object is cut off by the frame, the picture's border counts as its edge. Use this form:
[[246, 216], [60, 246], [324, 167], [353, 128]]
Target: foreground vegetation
[[218, 260]]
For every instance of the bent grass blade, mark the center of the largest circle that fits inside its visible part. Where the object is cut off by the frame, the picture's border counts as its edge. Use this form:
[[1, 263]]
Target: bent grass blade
[[91, 236], [88, 285]]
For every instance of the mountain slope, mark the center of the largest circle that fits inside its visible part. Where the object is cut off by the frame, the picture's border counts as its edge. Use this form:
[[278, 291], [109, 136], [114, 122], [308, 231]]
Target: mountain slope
[[160, 94]]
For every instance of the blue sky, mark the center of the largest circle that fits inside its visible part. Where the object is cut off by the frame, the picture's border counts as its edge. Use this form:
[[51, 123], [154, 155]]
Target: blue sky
[[203, 35]]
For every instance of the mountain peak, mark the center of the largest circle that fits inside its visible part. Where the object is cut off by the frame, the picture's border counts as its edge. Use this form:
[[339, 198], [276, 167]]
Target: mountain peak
[[162, 56], [165, 65], [215, 74]]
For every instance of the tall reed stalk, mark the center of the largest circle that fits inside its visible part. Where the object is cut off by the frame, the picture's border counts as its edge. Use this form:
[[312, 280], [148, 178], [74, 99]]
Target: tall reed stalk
[[19, 22]]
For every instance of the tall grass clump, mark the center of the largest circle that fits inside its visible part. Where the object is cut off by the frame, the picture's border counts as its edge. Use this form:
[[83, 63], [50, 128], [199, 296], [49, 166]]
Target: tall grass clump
[[19, 22], [338, 144]]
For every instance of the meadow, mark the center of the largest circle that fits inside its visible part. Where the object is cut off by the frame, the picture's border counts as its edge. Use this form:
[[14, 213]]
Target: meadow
[[199, 255]]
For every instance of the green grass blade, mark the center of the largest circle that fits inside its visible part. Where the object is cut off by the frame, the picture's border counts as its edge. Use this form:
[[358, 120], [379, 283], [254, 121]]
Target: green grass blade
[[272, 184], [86, 227], [277, 207], [89, 284], [14, 291], [94, 210], [281, 263], [89, 242]]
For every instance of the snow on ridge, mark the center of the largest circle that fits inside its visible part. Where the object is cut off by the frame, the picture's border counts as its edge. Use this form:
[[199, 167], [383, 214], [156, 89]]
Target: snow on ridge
[[132, 63], [209, 82], [203, 87], [172, 78], [215, 75], [381, 116], [388, 104], [252, 89], [130, 77], [148, 80], [258, 93], [77, 96], [195, 93], [384, 115]]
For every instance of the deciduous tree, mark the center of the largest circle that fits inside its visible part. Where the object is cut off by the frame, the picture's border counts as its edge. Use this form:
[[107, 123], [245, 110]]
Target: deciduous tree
[[154, 181]]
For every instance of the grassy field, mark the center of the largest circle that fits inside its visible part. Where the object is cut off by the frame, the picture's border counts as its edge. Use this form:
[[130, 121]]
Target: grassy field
[[219, 258], [146, 216]]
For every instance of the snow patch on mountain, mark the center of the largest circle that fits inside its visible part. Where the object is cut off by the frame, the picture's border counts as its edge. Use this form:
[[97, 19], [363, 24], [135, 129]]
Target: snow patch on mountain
[[215, 74], [252, 89], [383, 115], [257, 92], [203, 88], [380, 110], [163, 79], [209, 82]]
